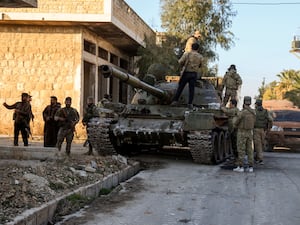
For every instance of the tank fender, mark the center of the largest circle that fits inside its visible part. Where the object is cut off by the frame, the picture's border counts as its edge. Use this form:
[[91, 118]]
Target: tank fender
[[195, 120]]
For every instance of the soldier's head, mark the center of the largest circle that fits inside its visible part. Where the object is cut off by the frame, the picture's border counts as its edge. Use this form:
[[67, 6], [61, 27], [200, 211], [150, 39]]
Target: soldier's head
[[53, 100], [197, 34], [247, 100], [233, 102], [232, 67], [68, 102], [24, 97], [258, 102], [90, 100], [195, 46]]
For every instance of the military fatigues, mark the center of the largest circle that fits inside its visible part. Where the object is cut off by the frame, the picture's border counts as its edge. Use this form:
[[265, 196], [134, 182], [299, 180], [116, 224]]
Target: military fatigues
[[194, 60], [21, 116], [231, 113], [66, 127], [262, 123], [188, 46], [90, 112], [245, 124], [231, 82]]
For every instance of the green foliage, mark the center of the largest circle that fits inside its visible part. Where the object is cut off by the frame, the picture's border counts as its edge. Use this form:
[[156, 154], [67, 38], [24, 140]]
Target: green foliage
[[261, 90], [181, 18], [270, 91], [76, 198], [163, 54], [293, 96], [288, 87], [104, 191]]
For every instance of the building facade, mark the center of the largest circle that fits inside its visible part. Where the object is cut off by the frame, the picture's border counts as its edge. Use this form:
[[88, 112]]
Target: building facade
[[56, 49]]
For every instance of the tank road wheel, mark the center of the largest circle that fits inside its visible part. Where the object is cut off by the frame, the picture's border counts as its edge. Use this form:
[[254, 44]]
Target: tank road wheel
[[201, 145], [99, 136]]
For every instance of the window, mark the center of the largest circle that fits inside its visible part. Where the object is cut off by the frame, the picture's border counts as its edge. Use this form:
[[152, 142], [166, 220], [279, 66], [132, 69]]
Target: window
[[114, 59], [90, 47], [102, 53], [124, 64]]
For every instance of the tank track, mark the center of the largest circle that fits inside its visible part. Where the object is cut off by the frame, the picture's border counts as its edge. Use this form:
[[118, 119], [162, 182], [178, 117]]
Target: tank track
[[201, 146], [98, 135]]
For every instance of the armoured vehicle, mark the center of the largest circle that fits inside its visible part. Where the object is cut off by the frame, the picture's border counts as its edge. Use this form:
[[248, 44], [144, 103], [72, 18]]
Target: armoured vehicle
[[149, 122]]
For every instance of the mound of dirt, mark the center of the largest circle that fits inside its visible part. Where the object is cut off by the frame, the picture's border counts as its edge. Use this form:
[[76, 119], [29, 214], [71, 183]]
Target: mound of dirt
[[29, 184]]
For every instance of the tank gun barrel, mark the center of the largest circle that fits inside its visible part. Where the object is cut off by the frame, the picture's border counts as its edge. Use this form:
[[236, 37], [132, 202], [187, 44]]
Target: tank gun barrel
[[109, 71]]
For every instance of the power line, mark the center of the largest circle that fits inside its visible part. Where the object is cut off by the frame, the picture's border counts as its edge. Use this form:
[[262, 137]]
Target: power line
[[265, 3]]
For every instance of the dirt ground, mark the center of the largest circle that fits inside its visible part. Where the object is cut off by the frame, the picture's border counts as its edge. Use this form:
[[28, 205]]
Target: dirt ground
[[27, 184]]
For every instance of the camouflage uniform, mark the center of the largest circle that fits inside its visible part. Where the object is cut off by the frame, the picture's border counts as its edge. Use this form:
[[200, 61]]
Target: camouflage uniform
[[263, 122], [21, 116], [232, 113], [193, 61], [68, 117], [245, 124], [231, 82], [90, 112], [191, 40]]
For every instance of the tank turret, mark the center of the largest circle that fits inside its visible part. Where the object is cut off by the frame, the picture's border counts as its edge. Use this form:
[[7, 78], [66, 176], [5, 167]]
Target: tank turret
[[148, 122], [205, 95]]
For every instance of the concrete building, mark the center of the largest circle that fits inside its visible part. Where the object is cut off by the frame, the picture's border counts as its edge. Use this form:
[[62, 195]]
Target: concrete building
[[56, 48]]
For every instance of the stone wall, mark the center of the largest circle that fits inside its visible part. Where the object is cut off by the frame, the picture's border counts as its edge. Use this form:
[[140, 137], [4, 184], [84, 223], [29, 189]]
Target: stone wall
[[63, 6], [43, 61]]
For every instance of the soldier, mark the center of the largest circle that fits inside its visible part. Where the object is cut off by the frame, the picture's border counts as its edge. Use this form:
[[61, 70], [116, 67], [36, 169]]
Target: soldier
[[191, 40], [263, 123], [232, 113], [245, 124], [51, 126], [90, 112], [68, 117], [21, 116], [193, 61], [231, 81], [106, 99]]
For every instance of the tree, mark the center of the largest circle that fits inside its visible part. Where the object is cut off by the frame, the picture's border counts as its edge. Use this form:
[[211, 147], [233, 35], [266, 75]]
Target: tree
[[288, 87], [181, 18], [212, 18], [288, 80], [261, 89], [158, 54], [270, 91]]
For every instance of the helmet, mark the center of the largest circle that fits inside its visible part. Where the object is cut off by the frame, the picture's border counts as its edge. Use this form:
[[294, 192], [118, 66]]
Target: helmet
[[247, 100], [258, 102], [232, 67]]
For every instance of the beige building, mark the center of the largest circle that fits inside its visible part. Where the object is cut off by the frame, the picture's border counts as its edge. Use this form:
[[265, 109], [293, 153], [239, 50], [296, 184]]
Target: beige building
[[56, 48]]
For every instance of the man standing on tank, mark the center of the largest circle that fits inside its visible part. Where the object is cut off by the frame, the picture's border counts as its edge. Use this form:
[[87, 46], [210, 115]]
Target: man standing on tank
[[263, 122], [90, 112], [51, 126], [193, 61], [191, 40], [245, 124], [231, 82], [67, 117]]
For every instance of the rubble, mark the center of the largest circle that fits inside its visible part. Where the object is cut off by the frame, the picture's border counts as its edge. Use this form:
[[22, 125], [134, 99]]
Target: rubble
[[27, 184]]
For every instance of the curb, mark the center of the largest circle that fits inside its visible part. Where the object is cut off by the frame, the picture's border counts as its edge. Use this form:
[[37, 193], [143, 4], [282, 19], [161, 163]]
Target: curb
[[43, 214]]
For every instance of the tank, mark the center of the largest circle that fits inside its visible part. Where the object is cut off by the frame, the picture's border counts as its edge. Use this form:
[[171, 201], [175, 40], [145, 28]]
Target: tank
[[150, 123]]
